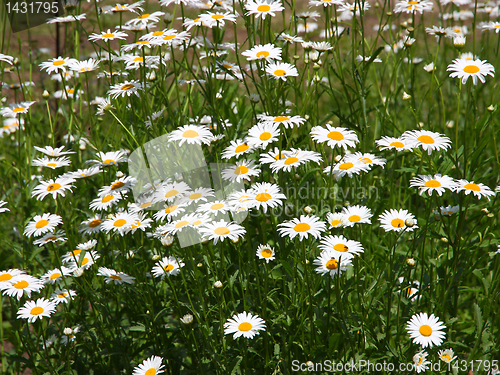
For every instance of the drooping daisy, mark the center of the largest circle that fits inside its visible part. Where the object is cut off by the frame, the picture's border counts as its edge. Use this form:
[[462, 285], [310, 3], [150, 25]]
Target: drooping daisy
[[285, 120], [413, 6], [261, 135], [236, 148], [112, 276], [54, 152], [329, 263], [325, 3], [105, 159], [106, 36], [51, 163], [220, 230], [341, 137], [140, 222], [395, 220], [265, 195], [145, 19], [340, 246], [20, 285], [62, 296], [217, 19], [55, 188], [121, 222], [356, 215], [168, 266], [242, 170], [281, 70], [262, 8], [92, 225], [476, 69], [429, 184], [56, 65], [192, 134], [105, 202], [150, 366], [295, 158], [6, 58], [244, 324], [290, 38], [479, 190], [446, 355], [420, 363], [266, 52], [42, 224], [335, 219], [134, 7], [56, 275], [347, 166], [391, 143], [303, 227], [265, 252], [426, 330], [126, 88], [33, 310], [429, 141], [51, 237]]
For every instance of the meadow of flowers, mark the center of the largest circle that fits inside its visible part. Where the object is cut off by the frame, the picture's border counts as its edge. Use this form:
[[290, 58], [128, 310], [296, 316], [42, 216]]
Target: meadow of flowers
[[344, 209]]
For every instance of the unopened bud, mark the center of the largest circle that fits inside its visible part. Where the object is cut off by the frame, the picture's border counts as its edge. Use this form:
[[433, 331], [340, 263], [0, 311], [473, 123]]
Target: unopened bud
[[411, 262], [406, 96], [78, 272], [308, 210], [45, 94], [491, 108], [218, 284], [187, 319], [459, 42], [67, 331], [410, 222], [156, 257], [444, 240]]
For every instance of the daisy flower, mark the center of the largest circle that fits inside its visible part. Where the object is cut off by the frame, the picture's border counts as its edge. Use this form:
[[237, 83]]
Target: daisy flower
[[15, 109], [125, 88], [50, 237], [6, 58], [428, 184], [172, 191], [55, 188], [391, 143], [420, 363], [281, 70], [411, 291], [356, 215], [426, 330], [192, 134], [121, 222], [139, 45], [6, 276], [56, 65], [447, 211], [494, 26], [479, 190], [325, 3], [244, 324], [33, 310], [303, 227], [265, 252], [262, 8], [105, 202], [112, 276], [120, 185], [261, 135], [215, 207], [368, 159], [54, 152], [446, 355], [264, 195], [476, 69], [413, 6], [20, 285], [178, 225], [83, 261], [242, 170], [106, 159], [42, 224], [134, 7], [286, 121], [217, 19], [293, 159], [395, 220], [145, 18], [62, 296], [266, 52], [150, 366], [55, 275], [169, 212], [236, 148], [340, 137], [339, 246], [290, 38], [106, 36], [220, 230], [335, 219], [3, 209], [328, 263], [51, 163], [347, 166], [84, 66], [168, 266], [141, 222], [197, 195], [429, 141]]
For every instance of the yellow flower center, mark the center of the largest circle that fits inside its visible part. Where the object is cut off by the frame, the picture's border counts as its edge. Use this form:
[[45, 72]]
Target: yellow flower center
[[138, 58], [241, 148], [412, 2], [366, 160], [19, 109], [217, 206], [397, 144], [5, 277], [127, 87], [181, 224], [58, 62], [21, 284], [171, 209], [171, 193], [432, 183], [144, 16], [397, 223], [55, 275], [335, 135], [281, 118], [217, 16], [190, 134], [446, 357], [120, 223], [168, 267], [241, 170], [221, 231], [94, 223], [263, 197], [195, 196], [158, 33], [117, 185], [291, 160], [354, 218], [245, 326], [332, 264], [54, 186], [37, 310], [426, 139], [472, 187], [279, 72], [62, 295], [109, 161], [266, 253], [264, 8], [48, 239], [169, 37], [265, 136], [107, 198], [41, 224], [425, 330], [52, 165], [142, 42], [145, 205], [115, 277], [108, 35], [197, 222], [262, 54], [302, 227], [334, 223], [345, 166], [341, 247]]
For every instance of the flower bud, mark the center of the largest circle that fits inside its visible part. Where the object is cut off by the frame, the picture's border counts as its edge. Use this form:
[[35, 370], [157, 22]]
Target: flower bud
[[410, 222], [45, 94], [459, 42], [308, 210], [406, 96], [218, 284], [67, 331], [187, 319], [411, 262]]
